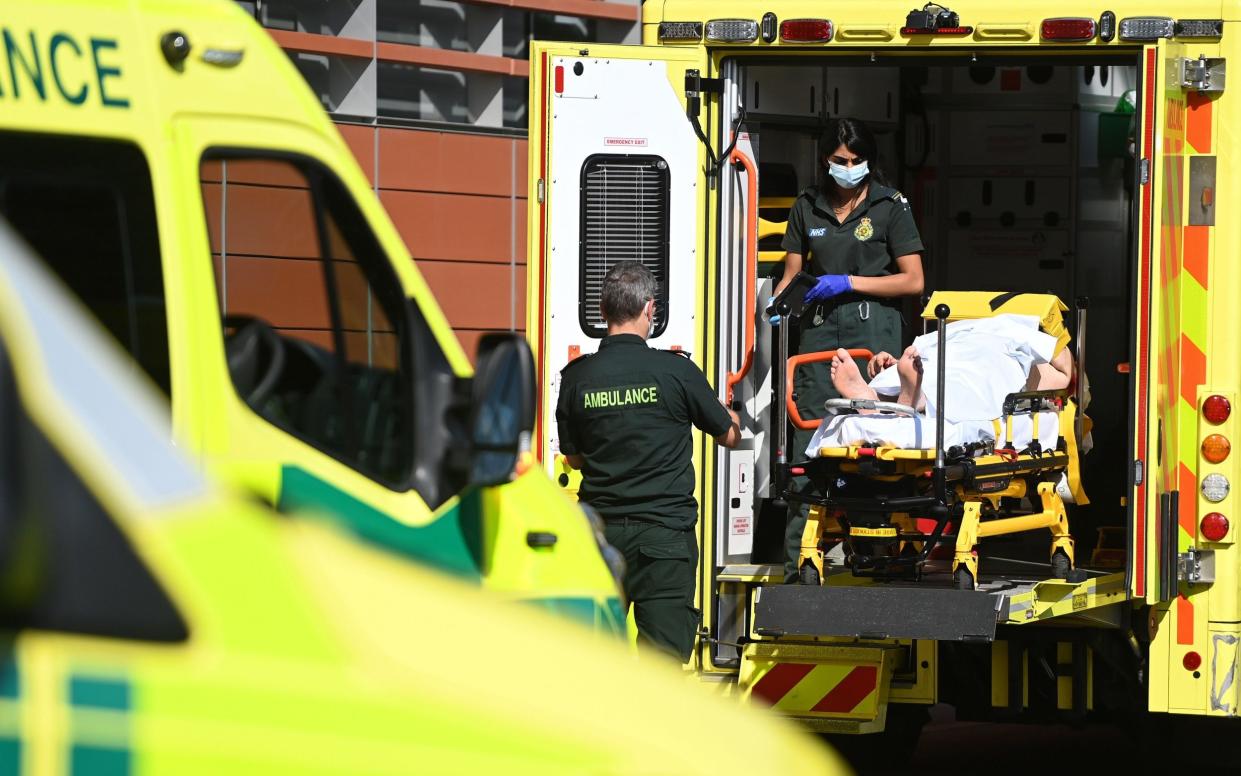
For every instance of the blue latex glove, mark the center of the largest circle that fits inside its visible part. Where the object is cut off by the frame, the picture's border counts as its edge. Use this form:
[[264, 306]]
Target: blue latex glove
[[829, 286], [774, 320]]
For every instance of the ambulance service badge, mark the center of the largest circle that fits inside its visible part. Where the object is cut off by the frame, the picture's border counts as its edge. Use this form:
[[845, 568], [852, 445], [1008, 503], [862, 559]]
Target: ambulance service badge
[[865, 230]]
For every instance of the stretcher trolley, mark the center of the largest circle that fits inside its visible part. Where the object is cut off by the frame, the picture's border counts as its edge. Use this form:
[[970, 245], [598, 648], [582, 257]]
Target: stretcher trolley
[[897, 503]]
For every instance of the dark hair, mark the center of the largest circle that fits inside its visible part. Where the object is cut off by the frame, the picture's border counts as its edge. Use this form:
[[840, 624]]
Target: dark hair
[[627, 288], [857, 137]]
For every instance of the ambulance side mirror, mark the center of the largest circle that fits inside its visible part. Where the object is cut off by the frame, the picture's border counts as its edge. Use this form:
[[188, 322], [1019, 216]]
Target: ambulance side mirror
[[501, 408]]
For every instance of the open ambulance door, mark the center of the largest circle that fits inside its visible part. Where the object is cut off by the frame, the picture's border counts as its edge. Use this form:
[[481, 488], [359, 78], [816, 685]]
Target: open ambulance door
[[616, 173], [1156, 366]]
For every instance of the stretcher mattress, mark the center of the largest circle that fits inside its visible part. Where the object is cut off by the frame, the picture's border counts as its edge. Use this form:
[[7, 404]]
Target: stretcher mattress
[[918, 433]]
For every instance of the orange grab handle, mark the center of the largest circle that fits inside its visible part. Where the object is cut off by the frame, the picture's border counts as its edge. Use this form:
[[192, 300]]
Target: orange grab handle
[[751, 269], [791, 368]]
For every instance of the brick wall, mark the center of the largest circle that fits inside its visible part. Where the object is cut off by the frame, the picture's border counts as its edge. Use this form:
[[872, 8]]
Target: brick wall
[[459, 202]]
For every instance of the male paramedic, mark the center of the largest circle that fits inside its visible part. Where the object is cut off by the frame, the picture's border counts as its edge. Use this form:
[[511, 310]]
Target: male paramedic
[[624, 418]]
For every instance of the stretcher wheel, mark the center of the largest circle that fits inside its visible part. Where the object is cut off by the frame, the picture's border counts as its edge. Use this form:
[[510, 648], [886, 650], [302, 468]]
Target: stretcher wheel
[[963, 579], [809, 574], [1061, 566]]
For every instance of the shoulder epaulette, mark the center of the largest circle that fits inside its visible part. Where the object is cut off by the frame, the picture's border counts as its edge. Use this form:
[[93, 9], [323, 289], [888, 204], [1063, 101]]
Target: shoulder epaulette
[[896, 196], [577, 360], [678, 352]]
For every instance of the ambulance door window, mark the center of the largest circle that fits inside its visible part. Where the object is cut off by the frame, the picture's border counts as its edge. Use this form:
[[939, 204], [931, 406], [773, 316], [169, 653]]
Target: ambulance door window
[[624, 207], [314, 321], [86, 207]]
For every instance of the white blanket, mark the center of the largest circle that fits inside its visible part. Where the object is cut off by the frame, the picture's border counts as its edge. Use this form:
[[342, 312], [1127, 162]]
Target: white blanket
[[988, 358], [919, 433]]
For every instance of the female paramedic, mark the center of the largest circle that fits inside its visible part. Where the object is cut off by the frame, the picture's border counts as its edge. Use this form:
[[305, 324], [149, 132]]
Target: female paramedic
[[858, 237]]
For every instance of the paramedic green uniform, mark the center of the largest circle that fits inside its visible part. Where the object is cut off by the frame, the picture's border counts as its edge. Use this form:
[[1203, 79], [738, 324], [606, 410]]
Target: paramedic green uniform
[[627, 411], [878, 231]]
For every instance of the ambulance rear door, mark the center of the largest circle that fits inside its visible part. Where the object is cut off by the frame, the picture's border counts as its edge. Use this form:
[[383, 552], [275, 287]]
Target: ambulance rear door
[[1157, 365], [616, 173]]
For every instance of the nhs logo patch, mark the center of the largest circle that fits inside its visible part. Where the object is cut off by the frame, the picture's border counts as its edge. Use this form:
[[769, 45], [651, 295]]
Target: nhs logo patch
[[817, 232]]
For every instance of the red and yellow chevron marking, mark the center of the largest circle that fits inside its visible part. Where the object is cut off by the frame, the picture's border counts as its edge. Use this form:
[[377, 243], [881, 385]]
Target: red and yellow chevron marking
[[820, 688]]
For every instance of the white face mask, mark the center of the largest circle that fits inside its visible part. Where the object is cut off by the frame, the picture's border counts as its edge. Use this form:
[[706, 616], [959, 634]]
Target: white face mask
[[650, 329], [848, 177]]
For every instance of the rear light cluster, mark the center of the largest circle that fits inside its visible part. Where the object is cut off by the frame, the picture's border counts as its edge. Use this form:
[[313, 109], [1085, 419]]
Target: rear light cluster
[[1216, 448], [732, 30], [806, 30], [1214, 527], [1069, 29]]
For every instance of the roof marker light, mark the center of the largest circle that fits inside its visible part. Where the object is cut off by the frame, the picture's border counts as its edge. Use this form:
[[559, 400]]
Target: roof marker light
[[1068, 29], [1199, 28], [806, 30], [732, 30], [1107, 26], [769, 27], [670, 31], [1146, 28]]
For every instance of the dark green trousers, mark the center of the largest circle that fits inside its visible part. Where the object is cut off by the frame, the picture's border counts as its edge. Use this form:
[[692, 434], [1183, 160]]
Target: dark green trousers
[[660, 564], [825, 328]]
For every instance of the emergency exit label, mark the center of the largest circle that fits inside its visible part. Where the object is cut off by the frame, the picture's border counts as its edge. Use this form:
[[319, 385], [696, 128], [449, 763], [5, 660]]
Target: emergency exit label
[[630, 142]]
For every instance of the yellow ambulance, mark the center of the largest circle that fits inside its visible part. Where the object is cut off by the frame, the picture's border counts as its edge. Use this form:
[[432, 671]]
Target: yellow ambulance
[[152, 624], [171, 166], [1073, 150]]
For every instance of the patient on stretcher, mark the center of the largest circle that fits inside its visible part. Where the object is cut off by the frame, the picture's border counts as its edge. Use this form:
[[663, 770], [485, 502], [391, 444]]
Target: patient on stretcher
[[988, 359]]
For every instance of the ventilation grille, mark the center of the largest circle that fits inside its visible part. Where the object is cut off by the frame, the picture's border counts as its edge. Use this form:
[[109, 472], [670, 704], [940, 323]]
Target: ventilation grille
[[624, 218]]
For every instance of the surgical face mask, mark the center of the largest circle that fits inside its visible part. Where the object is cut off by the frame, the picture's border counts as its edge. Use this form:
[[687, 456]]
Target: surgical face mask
[[848, 177]]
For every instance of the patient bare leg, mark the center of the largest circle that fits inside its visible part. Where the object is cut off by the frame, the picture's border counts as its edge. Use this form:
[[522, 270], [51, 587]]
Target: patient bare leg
[[848, 379], [909, 368]]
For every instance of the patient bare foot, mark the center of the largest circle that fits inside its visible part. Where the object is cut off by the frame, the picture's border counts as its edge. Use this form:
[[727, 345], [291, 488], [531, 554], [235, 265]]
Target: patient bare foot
[[909, 368], [847, 379]]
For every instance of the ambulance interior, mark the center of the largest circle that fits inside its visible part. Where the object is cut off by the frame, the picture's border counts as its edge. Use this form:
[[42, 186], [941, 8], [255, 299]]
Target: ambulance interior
[[1020, 172]]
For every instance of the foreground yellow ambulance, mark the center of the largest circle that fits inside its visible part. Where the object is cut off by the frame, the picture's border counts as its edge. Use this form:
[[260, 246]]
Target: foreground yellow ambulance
[[1077, 149], [152, 624], [170, 164]]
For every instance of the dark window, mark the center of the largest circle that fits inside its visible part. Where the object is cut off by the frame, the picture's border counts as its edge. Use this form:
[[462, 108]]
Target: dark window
[[66, 565], [624, 218], [86, 207], [314, 317]]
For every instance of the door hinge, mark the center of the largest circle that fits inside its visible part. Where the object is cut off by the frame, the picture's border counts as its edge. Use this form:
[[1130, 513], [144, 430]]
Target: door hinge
[[1144, 172], [696, 84], [1196, 567], [1203, 74], [1138, 473], [541, 189]]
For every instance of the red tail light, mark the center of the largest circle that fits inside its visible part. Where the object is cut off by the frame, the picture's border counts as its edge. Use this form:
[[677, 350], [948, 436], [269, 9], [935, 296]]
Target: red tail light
[[806, 30], [1214, 527], [1192, 661], [1216, 409], [1069, 29]]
